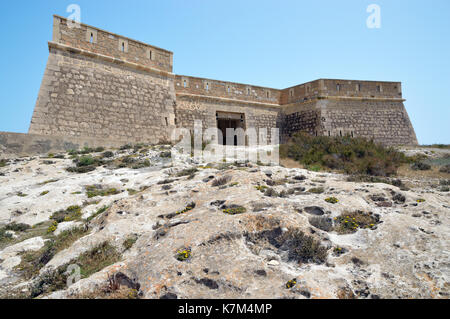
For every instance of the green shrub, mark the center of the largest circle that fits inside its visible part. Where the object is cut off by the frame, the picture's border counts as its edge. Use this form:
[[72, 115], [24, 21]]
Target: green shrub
[[98, 212], [17, 227], [107, 154], [351, 155]]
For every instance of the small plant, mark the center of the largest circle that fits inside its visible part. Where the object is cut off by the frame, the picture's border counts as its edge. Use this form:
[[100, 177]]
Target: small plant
[[420, 166], [51, 229], [316, 190], [97, 190], [348, 223], [261, 188], [20, 194], [130, 241], [331, 200], [183, 254], [69, 214], [189, 207], [3, 162], [132, 192], [98, 212], [337, 251], [445, 169], [220, 181], [420, 200], [44, 193], [17, 227], [187, 172], [234, 210], [48, 182], [291, 283], [107, 154]]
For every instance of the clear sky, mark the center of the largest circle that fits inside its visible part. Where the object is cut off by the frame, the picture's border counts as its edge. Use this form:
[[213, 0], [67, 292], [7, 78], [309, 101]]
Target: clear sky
[[263, 42]]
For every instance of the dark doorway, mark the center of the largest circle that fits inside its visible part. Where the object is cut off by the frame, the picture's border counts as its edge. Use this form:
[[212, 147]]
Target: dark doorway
[[223, 124]]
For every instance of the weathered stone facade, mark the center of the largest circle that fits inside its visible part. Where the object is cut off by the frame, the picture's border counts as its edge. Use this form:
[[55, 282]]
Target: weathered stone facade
[[102, 85]]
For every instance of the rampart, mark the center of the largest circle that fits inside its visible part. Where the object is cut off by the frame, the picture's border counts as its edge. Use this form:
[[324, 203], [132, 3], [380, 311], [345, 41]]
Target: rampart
[[98, 84]]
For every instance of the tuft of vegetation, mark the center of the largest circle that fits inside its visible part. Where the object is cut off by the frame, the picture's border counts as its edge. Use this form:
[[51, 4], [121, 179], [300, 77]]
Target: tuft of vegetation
[[351, 155], [302, 248], [445, 169], [183, 254], [98, 212], [234, 210], [33, 261], [3, 162], [96, 259], [89, 262], [220, 181], [189, 207], [261, 188], [331, 200], [130, 241], [126, 147], [69, 214], [291, 283], [420, 166], [20, 194], [98, 190], [84, 164], [107, 154], [316, 190], [350, 222], [187, 172], [44, 193], [48, 181]]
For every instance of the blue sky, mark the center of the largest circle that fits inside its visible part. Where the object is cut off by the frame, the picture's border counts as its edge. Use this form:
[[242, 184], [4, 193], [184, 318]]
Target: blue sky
[[269, 43]]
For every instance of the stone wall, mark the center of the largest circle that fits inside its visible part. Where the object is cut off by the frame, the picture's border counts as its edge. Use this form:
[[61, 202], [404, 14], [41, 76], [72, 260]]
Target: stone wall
[[84, 95], [32, 144], [386, 122], [301, 117]]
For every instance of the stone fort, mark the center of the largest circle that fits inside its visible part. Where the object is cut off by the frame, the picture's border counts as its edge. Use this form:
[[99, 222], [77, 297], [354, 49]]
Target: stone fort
[[100, 85]]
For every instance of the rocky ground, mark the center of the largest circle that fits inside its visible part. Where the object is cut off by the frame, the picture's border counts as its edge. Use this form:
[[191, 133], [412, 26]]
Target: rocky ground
[[224, 230]]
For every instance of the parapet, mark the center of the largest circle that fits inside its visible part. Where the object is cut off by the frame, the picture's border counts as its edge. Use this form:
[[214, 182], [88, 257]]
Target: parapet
[[342, 89], [208, 88], [95, 40]]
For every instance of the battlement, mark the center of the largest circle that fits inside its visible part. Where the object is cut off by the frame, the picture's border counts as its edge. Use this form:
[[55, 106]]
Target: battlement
[[208, 88], [98, 41], [334, 88]]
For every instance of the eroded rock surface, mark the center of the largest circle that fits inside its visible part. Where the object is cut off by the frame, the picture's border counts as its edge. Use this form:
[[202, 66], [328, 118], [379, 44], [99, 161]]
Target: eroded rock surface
[[197, 240]]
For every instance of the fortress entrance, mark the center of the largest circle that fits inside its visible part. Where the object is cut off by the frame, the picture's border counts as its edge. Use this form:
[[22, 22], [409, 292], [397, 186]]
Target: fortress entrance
[[229, 120]]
